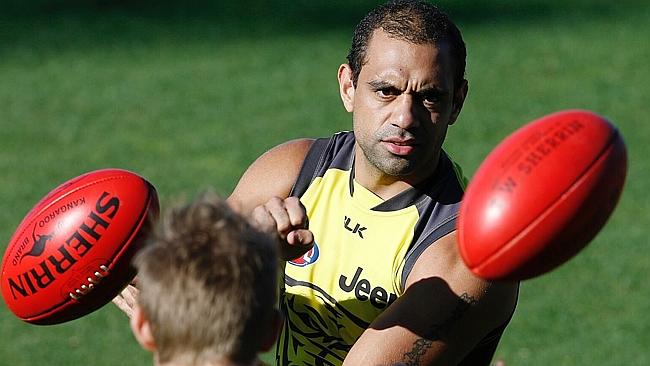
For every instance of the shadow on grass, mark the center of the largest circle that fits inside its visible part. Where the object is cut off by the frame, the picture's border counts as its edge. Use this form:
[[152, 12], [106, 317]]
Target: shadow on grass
[[56, 24]]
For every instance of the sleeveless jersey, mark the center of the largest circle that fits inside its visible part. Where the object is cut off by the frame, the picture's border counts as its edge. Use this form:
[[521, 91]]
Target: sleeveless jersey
[[364, 249]]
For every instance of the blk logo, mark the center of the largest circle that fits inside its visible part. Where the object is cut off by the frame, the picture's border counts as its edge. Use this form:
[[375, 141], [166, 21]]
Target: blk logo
[[356, 229]]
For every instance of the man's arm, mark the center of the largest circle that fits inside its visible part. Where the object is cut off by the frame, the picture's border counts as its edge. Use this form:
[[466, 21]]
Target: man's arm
[[444, 312], [271, 175], [262, 194]]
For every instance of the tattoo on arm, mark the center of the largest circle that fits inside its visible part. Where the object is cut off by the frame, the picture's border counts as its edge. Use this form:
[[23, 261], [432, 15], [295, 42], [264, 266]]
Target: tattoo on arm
[[438, 331]]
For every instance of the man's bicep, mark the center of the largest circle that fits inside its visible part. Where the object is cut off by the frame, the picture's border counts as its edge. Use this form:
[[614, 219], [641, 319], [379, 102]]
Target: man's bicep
[[271, 175]]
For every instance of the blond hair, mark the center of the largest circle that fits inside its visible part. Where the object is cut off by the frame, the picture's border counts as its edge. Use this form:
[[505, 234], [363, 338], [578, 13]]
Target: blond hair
[[207, 283]]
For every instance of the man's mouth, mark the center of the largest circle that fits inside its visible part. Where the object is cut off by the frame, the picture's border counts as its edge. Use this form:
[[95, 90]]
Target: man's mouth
[[399, 146]]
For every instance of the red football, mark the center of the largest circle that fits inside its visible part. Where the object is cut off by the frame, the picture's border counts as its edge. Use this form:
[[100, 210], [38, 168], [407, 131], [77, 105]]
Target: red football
[[72, 252], [541, 195]]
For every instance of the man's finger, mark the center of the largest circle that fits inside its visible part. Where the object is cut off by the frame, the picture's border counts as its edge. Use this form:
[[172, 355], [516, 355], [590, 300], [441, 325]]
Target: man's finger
[[126, 300], [123, 305], [277, 209], [262, 220], [299, 242], [297, 213], [301, 237]]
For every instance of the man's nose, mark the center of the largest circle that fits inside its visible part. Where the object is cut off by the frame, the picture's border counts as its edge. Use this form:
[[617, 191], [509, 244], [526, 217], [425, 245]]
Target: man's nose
[[405, 113]]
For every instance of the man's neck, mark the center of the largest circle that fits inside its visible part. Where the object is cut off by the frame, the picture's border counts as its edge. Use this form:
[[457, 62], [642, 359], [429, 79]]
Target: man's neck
[[384, 185]]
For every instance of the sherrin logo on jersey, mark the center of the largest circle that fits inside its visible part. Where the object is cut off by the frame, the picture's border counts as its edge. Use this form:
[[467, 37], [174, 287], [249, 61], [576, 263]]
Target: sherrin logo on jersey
[[308, 258]]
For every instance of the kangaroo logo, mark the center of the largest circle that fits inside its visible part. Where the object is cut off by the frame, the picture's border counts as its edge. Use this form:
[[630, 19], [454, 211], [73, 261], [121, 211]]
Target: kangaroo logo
[[39, 244]]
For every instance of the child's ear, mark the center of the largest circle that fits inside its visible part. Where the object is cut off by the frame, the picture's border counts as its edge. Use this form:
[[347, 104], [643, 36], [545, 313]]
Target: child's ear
[[141, 329]]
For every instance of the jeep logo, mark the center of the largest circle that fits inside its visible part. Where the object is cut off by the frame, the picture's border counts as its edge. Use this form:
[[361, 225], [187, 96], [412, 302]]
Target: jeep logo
[[363, 291]]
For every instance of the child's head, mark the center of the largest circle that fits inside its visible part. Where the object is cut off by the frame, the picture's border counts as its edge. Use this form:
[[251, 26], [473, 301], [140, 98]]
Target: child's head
[[207, 284]]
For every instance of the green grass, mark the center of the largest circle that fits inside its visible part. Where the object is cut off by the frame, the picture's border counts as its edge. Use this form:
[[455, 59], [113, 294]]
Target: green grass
[[188, 96]]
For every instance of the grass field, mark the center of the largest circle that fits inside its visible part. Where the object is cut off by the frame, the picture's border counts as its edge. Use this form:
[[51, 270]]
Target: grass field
[[189, 95]]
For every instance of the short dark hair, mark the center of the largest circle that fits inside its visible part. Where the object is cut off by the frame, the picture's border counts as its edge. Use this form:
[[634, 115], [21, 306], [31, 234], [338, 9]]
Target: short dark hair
[[413, 21]]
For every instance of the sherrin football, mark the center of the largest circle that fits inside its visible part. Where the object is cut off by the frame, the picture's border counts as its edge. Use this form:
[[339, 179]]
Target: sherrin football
[[72, 252], [541, 195]]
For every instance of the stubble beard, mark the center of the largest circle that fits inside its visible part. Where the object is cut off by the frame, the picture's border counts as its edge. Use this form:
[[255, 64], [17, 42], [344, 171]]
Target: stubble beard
[[390, 165], [387, 163], [415, 166], [381, 159]]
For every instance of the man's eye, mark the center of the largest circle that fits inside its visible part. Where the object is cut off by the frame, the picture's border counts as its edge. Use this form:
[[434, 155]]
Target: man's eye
[[431, 100], [386, 92]]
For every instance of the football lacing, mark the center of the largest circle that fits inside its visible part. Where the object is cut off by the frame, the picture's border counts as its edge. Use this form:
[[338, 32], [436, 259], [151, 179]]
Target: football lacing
[[86, 288]]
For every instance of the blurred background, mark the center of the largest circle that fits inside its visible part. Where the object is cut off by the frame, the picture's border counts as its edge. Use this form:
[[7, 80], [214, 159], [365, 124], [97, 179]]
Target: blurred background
[[188, 93]]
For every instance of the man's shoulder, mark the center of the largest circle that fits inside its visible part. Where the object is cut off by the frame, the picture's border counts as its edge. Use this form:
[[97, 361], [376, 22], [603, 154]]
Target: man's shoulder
[[324, 149], [334, 152], [336, 144], [270, 175]]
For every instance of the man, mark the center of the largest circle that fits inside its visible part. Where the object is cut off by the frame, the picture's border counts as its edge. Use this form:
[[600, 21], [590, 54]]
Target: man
[[207, 284], [368, 217]]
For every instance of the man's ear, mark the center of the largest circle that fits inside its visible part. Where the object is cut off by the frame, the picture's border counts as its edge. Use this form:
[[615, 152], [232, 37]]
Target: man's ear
[[273, 331], [141, 329], [346, 87], [459, 98]]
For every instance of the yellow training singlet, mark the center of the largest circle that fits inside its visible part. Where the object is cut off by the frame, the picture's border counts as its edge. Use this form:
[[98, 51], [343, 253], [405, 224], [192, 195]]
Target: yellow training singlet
[[364, 250]]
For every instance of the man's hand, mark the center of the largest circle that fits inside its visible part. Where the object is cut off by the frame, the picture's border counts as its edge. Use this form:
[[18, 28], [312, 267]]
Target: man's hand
[[286, 218], [126, 300]]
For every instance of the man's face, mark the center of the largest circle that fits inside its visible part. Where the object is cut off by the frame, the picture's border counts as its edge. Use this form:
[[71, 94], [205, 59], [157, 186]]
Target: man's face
[[402, 104]]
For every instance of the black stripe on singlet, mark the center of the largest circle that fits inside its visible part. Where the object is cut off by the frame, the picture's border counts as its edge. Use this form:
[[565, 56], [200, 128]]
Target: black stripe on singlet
[[308, 171]]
